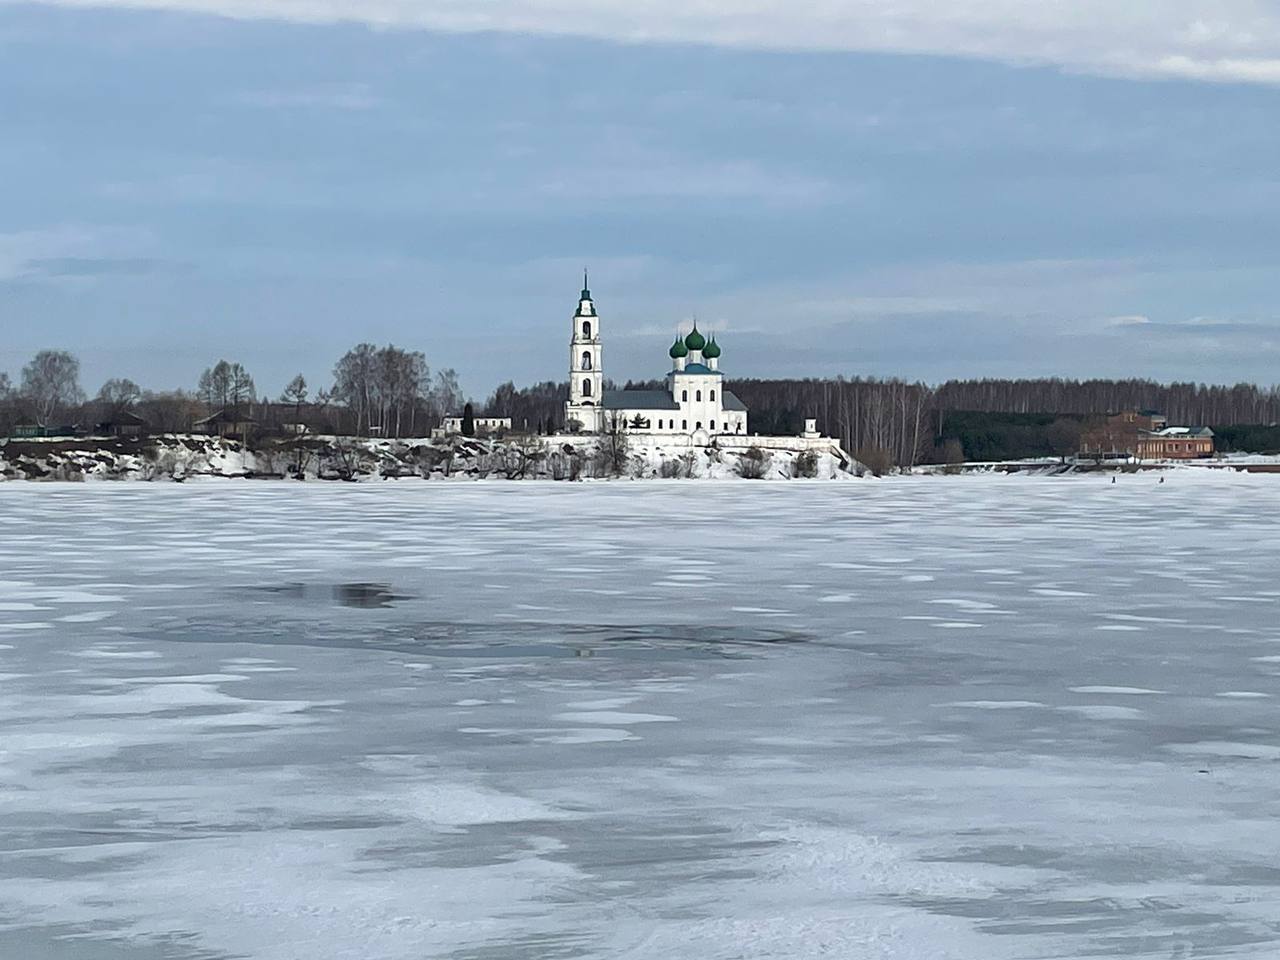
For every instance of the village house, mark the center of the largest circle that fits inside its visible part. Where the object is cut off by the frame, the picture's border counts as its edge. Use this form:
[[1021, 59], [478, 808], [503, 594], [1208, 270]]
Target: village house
[[228, 423], [126, 423]]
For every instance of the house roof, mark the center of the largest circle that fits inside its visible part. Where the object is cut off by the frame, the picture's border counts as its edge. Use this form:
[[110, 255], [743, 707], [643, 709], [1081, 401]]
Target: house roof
[[639, 400], [1183, 432], [226, 415], [125, 418], [729, 400]]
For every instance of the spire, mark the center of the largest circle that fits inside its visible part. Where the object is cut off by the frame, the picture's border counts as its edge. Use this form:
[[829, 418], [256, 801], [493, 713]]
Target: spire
[[586, 287]]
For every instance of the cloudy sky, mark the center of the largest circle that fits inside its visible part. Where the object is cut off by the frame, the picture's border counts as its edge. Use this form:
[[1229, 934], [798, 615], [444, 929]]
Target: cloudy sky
[[923, 189]]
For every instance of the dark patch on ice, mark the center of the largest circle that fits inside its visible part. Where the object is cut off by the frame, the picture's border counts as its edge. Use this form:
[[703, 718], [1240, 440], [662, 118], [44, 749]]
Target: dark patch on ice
[[490, 640], [1121, 864], [67, 941], [565, 945], [364, 596]]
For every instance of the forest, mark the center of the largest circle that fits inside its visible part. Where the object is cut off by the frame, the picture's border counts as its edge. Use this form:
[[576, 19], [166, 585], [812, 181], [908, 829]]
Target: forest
[[898, 422]]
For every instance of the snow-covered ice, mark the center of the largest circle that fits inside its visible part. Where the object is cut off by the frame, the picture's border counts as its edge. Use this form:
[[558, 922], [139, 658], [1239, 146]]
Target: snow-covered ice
[[647, 720]]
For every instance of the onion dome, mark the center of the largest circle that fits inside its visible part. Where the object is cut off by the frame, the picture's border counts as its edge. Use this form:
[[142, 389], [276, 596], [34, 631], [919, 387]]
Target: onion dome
[[695, 340], [712, 349], [678, 350]]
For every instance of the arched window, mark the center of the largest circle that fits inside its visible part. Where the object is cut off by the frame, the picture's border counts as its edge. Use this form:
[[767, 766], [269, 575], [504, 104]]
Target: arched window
[[713, 396], [698, 425], [586, 360], [659, 424], [684, 395], [586, 329], [698, 396], [713, 424], [586, 388], [684, 424]]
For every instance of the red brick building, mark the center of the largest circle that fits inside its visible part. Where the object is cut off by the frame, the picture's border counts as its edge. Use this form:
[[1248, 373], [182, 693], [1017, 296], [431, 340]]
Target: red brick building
[[1145, 435]]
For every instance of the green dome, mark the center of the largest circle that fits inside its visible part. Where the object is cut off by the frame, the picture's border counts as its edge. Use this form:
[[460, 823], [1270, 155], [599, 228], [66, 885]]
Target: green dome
[[678, 350], [712, 349], [695, 340]]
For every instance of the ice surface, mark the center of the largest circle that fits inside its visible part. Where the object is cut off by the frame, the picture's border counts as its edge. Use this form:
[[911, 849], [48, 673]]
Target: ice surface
[[646, 720]]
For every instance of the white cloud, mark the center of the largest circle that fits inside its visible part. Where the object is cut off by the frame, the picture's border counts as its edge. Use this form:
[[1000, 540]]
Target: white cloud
[[1232, 40]]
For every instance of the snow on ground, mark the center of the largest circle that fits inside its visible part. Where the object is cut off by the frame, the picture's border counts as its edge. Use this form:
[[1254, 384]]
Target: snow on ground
[[889, 719]]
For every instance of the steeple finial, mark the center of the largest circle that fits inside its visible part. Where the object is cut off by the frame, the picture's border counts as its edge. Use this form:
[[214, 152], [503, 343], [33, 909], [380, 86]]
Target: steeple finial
[[586, 287]]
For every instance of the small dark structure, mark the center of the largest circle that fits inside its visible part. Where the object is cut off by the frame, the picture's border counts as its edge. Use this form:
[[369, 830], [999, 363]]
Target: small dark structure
[[229, 423], [123, 424], [28, 431]]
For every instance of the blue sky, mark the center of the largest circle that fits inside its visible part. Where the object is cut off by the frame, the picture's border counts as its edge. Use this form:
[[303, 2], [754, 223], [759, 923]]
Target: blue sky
[[995, 192]]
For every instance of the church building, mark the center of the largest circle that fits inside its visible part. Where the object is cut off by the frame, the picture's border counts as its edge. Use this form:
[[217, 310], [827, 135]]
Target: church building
[[693, 404]]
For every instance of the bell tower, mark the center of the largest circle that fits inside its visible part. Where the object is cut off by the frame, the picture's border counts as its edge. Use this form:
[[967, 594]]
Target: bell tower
[[586, 379]]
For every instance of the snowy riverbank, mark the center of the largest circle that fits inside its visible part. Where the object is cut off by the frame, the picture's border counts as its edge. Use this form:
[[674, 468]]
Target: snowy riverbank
[[180, 457]]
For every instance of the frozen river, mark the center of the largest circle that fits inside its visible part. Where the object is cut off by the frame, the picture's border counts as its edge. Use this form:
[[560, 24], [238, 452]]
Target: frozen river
[[977, 718]]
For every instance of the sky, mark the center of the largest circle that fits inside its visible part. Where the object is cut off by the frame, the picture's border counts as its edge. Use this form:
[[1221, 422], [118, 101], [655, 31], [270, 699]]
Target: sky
[[996, 188]]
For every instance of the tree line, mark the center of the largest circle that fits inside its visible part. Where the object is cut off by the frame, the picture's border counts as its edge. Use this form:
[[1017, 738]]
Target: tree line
[[390, 391], [891, 421], [387, 391]]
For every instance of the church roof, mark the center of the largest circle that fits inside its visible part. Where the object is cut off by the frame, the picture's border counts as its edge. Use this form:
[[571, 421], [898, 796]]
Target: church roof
[[696, 368], [729, 401], [639, 400]]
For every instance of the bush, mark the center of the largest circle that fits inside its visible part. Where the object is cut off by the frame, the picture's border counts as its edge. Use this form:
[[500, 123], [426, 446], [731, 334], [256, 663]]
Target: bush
[[875, 459], [805, 464], [751, 464]]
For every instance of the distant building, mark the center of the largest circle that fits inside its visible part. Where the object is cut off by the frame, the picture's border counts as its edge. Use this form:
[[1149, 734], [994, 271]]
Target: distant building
[[230, 423], [693, 404], [1176, 443], [1145, 435], [36, 431], [452, 426], [124, 424]]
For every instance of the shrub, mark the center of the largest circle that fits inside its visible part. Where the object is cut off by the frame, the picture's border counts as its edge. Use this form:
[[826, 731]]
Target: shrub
[[751, 464], [805, 464], [875, 459]]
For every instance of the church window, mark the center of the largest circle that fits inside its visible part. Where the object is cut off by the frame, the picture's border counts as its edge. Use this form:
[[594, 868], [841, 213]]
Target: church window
[[586, 360], [698, 396], [586, 388], [684, 395], [713, 424], [659, 424], [684, 424], [713, 396], [586, 329], [698, 425]]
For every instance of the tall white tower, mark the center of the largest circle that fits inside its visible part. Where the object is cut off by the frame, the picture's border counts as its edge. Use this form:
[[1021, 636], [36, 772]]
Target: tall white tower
[[586, 378]]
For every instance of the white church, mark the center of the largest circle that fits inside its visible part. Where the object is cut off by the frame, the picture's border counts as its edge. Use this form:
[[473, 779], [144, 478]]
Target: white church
[[694, 404]]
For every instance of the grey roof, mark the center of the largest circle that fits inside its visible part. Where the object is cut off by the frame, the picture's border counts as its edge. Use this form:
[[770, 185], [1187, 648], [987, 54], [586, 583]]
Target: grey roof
[[639, 400], [729, 400]]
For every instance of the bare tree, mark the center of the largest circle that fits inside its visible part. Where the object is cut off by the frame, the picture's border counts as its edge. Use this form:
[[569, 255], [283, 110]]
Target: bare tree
[[613, 449], [118, 395], [225, 385], [446, 394], [241, 388], [296, 393], [353, 376], [51, 384]]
